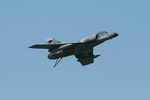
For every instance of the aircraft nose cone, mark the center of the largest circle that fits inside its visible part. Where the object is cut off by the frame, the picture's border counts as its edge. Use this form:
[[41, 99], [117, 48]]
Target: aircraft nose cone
[[115, 34]]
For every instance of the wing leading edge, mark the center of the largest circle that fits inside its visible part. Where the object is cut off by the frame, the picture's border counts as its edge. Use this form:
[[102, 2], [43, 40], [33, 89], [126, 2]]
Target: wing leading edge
[[45, 46], [54, 46]]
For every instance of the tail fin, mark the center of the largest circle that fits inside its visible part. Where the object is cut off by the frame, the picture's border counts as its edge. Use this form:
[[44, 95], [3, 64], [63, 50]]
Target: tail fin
[[53, 41]]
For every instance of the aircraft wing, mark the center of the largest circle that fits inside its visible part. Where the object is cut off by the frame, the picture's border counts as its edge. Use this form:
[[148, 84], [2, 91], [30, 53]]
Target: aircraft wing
[[85, 57], [45, 46], [53, 46]]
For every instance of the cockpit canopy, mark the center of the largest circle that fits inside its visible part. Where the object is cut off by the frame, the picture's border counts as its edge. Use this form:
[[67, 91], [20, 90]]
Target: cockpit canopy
[[94, 36], [102, 33]]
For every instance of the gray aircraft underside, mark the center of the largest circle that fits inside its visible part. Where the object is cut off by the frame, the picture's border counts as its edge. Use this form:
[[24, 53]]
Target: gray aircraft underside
[[82, 50]]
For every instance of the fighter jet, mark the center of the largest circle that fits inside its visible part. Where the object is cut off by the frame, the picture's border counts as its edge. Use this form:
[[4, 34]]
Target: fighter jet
[[82, 49]]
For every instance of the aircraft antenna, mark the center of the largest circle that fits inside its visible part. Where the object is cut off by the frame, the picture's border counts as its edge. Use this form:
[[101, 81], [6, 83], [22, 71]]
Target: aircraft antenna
[[57, 62]]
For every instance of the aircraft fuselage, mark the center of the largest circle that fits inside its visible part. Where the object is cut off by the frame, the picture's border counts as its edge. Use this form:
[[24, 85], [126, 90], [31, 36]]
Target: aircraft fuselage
[[88, 42]]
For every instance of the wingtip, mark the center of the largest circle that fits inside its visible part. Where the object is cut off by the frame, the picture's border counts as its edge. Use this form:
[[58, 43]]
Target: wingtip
[[32, 46]]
